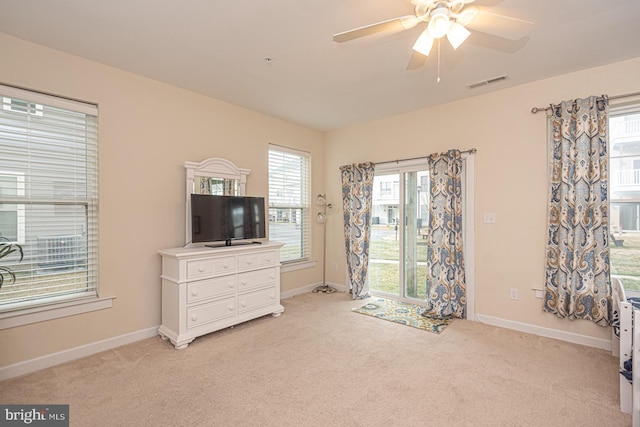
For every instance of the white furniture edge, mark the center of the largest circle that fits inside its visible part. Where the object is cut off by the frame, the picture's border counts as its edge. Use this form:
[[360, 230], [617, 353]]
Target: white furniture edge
[[624, 347], [199, 266], [635, 392]]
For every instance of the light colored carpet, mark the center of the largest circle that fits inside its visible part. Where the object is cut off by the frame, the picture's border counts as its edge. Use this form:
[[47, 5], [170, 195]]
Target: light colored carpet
[[319, 364], [402, 313]]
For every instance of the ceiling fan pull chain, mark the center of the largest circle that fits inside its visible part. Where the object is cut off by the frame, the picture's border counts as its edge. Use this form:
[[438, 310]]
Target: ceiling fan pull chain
[[438, 80]]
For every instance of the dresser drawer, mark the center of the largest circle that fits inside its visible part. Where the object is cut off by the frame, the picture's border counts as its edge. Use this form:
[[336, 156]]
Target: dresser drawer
[[210, 267], [210, 312], [203, 287], [256, 279], [257, 260], [210, 288], [253, 300]]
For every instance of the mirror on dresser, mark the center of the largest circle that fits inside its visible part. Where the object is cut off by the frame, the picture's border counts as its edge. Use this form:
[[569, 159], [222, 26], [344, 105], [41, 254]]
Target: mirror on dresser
[[212, 176]]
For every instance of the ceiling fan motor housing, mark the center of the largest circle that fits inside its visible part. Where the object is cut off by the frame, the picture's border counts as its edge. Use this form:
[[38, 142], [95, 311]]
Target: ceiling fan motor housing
[[428, 9]]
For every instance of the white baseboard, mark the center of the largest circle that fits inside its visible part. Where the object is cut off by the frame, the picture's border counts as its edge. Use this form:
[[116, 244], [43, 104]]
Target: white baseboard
[[546, 332], [308, 288], [32, 365], [53, 359]]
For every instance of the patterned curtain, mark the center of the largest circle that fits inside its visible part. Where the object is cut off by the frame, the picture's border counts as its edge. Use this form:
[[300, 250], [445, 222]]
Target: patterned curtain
[[357, 188], [577, 282], [446, 288]]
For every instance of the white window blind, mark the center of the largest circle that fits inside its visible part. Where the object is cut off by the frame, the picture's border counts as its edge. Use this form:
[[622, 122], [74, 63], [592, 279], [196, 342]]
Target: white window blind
[[48, 198], [289, 195]]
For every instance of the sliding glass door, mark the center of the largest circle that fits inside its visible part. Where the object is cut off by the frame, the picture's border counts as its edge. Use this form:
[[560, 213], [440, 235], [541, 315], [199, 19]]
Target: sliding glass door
[[416, 214], [384, 250], [398, 250]]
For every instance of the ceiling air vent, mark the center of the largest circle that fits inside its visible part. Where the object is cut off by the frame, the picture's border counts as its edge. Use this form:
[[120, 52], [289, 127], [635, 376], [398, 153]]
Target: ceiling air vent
[[486, 82]]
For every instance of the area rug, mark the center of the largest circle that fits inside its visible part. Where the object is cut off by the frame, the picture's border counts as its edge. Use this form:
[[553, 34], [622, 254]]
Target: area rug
[[402, 313]]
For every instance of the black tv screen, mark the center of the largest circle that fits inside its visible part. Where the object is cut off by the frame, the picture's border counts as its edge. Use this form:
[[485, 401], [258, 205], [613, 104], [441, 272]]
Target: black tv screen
[[226, 218]]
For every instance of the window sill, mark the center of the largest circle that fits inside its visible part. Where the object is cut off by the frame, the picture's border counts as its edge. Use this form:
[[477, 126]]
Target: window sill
[[299, 265], [27, 316]]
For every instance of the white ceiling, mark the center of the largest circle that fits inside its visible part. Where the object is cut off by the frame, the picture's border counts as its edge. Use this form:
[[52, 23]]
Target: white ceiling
[[218, 48]]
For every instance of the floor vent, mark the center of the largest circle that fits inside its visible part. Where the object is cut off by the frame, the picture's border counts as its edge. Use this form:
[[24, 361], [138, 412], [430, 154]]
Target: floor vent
[[486, 82]]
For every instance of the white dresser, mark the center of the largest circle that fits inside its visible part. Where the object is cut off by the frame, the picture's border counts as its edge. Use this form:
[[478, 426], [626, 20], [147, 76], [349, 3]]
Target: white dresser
[[207, 289]]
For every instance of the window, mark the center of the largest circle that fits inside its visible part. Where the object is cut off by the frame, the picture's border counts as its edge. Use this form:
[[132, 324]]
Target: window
[[289, 210], [624, 179], [11, 214], [385, 189], [48, 198]]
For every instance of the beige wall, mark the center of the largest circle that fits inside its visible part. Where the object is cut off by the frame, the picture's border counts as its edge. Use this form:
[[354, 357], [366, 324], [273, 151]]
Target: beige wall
[[510, 180], [147, 131]]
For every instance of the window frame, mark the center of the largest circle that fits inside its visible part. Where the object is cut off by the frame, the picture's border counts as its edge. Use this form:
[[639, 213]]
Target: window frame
[[617, 110], [56, 306], [304, 206]]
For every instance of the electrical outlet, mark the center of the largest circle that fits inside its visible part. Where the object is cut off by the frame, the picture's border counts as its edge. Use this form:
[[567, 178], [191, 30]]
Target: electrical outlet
[[513, 293]]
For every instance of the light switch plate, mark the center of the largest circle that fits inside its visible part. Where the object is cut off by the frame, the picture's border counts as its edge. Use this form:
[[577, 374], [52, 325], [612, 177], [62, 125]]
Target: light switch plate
[[489, 218]]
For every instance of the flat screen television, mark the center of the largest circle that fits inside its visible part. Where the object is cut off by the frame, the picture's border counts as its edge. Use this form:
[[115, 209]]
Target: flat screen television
[[226, 218]]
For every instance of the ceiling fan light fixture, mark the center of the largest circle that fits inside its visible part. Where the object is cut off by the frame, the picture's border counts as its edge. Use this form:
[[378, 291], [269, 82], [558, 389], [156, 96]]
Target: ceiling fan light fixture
[[457, 34], [424, 43], [439, 23]]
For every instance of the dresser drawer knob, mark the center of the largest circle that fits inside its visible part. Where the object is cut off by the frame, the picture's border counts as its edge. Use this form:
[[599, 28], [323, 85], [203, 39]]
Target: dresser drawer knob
[[273, 276], [225, 265], [194, 317], [273, 296], [243, 283], [201, 269], [243, 303], [268, 259], [194, 292], [249, 262], [231, 284], [230, 307]]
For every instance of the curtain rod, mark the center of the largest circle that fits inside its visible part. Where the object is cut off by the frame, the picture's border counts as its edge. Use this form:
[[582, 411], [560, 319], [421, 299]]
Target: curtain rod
[[535, 110], [470, 150]]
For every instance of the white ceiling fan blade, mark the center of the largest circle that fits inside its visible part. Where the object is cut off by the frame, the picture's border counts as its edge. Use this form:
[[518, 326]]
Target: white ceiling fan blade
[[395, 24], [498, 25]]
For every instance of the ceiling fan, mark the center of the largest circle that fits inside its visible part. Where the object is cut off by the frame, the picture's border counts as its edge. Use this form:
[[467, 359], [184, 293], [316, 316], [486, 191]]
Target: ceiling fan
[[452, 19]]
